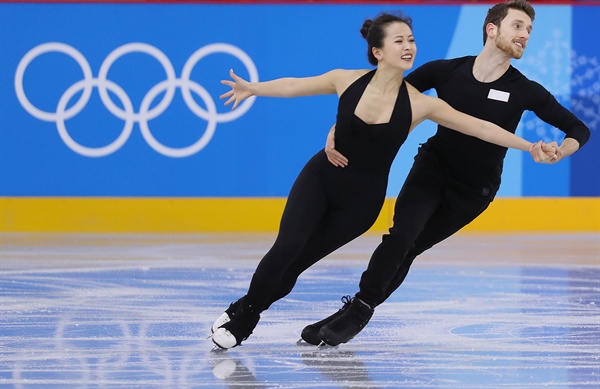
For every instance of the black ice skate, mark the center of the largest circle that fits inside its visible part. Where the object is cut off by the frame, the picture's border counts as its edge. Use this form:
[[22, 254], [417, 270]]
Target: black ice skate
[[238, 328], [310, 333], [350, 322]]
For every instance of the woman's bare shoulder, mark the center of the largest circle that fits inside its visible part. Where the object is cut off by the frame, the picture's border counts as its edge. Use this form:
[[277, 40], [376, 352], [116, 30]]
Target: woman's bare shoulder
[[343, 78]]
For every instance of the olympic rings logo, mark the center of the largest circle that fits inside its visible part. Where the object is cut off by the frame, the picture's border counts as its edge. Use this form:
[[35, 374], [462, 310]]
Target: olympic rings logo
[[127, 112]]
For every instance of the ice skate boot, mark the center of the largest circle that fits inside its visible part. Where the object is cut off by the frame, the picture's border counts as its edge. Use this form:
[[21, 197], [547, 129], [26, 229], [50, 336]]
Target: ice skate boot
[[225, 316], [310, 333], [348, 324], [238, 328]]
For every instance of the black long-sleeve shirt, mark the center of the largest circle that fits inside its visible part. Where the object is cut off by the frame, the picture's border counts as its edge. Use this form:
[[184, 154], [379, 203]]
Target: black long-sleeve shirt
[[470, 160]]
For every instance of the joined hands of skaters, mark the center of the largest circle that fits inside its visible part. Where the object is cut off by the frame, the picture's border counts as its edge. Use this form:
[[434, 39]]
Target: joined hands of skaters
[[546, 152], [541, 152]]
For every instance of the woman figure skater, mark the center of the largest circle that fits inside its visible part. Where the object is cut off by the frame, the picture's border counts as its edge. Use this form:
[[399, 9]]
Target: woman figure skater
[[328, 207]]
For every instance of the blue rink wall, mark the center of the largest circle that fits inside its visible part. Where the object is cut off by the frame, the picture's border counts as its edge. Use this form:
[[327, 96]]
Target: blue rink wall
[[121, 101]]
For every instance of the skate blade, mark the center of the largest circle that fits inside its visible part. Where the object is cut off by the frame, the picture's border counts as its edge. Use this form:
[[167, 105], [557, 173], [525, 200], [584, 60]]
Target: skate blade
[[324, 346], [211, 333], [304, 343], [217, 349]]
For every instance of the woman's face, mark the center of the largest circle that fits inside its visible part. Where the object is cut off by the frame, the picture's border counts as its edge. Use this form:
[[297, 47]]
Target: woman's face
[[399, 48]]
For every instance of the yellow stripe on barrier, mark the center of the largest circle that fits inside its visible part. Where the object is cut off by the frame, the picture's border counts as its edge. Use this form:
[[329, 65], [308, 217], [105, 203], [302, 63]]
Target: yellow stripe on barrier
[[574, 214], [148, 215]]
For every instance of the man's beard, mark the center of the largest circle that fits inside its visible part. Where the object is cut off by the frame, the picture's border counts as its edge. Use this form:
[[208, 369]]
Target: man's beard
[[508, 47]]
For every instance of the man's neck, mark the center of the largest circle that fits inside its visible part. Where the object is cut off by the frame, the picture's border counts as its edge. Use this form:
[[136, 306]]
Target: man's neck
[[490, 64]]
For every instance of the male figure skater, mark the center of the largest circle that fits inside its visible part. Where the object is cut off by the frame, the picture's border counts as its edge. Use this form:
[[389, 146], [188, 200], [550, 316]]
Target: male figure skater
[[454, 177]]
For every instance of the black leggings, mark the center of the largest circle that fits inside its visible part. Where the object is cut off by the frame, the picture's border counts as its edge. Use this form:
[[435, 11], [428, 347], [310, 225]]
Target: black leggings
[[430, 208], [326, 208]]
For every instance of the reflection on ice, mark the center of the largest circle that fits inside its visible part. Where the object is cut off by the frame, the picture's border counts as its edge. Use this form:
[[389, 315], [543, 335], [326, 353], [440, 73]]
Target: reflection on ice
[[136, 311]]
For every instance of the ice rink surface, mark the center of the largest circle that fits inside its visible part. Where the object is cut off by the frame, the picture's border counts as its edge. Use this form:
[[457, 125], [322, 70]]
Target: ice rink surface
[[476, 311]]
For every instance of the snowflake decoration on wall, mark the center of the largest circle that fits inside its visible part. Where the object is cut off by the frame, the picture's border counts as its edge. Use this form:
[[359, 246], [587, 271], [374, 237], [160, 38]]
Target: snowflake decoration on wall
[[575, 85]]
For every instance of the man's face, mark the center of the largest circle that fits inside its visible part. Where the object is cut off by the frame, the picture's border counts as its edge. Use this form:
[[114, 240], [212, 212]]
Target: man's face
[[513, 34]]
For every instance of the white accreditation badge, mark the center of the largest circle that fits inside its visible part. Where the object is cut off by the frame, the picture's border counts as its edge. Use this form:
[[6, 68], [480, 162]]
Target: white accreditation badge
[[498, 95]]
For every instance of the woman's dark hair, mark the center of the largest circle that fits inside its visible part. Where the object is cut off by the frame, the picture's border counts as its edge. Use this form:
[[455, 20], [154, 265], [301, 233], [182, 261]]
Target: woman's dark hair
[[498, 12], [374, 30]]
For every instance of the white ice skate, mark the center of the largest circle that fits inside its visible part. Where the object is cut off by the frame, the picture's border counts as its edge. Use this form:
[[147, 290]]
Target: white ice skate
[[224, 318], [224, 339]]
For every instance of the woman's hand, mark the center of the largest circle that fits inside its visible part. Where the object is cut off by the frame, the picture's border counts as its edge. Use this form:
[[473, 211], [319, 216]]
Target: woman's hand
[[240, 90]]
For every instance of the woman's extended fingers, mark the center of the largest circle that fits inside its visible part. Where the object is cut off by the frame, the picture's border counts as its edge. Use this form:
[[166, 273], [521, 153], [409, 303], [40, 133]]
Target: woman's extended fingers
[[239, 90], [226, 94], [231, 100]]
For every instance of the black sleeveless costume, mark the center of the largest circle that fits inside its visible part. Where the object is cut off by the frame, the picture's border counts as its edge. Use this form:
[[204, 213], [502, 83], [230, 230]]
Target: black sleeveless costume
[[330, 206]]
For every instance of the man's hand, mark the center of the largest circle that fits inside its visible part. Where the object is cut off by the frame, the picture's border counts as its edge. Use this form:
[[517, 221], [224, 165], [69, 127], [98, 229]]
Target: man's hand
[[548, 153], [334, 156]]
